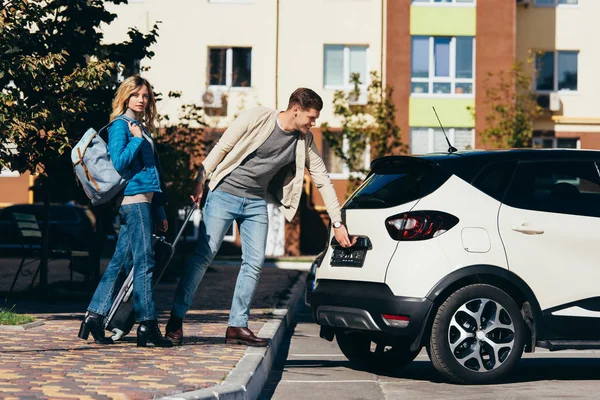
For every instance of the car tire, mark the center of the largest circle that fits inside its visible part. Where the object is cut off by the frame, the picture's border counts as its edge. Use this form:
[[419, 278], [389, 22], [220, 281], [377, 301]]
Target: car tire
[[365, 354], [477, 336]]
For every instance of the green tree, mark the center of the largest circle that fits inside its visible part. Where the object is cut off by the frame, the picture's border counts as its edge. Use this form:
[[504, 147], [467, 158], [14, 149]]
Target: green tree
[[182, 146], [512, 108], [57, 80], [370, 124]]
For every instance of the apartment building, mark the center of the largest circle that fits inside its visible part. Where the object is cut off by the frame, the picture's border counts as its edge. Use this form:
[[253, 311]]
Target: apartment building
[[229, 55], [561, 33], [439, 53]]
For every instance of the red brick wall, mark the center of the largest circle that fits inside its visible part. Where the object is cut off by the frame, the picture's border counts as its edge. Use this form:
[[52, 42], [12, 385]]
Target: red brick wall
[[397, 65], [589, 140], [495, 49]]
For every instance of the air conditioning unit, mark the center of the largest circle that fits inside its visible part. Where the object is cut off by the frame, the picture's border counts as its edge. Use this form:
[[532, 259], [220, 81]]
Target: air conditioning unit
[[554, 103], [212, 99]]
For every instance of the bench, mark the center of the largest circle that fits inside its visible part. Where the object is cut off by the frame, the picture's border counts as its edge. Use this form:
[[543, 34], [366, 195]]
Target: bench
[[30, 237]]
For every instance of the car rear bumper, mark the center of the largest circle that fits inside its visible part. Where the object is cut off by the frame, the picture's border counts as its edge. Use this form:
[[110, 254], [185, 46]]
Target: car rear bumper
[[361, 305]]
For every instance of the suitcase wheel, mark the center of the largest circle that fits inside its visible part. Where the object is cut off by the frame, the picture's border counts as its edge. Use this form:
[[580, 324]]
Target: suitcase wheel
[[117, 334]]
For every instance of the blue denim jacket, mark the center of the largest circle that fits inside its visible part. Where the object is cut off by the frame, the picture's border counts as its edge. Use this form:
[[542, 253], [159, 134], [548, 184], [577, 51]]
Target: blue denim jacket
[[130, 153]]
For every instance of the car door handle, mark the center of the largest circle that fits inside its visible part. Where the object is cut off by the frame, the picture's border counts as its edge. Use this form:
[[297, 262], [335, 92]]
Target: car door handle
[[527, 229]]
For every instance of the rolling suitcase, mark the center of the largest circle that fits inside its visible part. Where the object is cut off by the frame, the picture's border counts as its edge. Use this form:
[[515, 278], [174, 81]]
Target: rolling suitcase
[[121, 317]]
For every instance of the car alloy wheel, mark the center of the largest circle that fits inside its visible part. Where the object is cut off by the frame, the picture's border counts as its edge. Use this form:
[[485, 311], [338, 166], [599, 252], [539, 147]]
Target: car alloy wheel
[[478, 335], [481, 335]]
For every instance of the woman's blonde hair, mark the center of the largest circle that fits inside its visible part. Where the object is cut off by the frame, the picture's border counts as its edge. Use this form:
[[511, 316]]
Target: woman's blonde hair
[[124, 92]]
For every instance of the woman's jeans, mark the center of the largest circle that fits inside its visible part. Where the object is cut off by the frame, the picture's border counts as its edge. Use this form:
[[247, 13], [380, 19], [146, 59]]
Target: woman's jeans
[[220, 210], [133, 245]]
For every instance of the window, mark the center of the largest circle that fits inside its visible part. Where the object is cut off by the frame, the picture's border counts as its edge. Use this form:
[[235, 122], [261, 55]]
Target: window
[[550, 142], [563, 187], [339, 61], [552, 3], [122, 71], [556, 71], [397, 183], [432, 140], [336, 168], [494, 179], [444, 1], [442, 65], [231, 67]]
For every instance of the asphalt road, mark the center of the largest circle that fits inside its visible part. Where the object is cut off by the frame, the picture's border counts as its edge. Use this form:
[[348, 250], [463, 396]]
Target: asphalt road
[[312, 368]]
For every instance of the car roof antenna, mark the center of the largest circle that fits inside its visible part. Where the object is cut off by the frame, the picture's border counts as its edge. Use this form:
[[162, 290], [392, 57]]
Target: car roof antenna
[[451, 149]]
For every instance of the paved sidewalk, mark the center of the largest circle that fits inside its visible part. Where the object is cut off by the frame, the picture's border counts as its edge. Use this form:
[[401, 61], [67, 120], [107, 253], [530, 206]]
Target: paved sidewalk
[[49, 361]]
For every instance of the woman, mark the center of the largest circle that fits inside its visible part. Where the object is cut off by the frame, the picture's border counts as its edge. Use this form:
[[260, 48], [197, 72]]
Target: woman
[[132, 153]]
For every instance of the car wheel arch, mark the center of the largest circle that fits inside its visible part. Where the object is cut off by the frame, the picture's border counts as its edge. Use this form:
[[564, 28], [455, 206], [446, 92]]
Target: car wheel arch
[[499, 277]]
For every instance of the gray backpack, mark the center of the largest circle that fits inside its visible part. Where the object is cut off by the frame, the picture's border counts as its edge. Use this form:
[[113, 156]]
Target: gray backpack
[[94, 169]]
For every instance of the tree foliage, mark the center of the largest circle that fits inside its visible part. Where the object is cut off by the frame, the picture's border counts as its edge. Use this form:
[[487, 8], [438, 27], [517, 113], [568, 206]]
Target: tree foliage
[[182, 146], [57, 79], [512, 106], [365, 126]]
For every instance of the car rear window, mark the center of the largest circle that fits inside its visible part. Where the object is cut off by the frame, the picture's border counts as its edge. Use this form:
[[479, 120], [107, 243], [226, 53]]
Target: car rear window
[[398, 182]]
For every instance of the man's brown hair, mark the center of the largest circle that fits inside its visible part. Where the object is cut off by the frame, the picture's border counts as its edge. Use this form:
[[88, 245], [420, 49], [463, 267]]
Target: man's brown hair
[[306, 99]]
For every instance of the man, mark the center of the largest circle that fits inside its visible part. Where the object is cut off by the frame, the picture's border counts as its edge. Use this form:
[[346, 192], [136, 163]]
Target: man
[[264, 150]]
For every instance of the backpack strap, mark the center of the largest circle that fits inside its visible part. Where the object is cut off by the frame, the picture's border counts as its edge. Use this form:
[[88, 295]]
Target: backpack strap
[[85, 169], [108, 125]]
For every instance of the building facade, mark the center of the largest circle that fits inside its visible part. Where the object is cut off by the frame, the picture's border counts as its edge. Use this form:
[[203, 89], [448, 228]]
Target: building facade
[[229, 55]]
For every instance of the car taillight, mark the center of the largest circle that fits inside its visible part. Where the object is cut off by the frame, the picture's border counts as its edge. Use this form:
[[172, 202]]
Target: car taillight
[[419, 225]]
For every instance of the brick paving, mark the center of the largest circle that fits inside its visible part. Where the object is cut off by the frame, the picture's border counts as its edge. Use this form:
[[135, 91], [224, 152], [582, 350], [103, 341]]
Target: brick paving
[[49, 361]]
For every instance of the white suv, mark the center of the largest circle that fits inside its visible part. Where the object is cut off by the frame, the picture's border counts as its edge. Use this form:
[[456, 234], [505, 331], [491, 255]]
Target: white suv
[[475, 255]]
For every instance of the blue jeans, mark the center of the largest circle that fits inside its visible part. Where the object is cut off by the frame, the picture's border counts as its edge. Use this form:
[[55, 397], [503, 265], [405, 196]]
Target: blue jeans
[[220, 210], [134, 246]]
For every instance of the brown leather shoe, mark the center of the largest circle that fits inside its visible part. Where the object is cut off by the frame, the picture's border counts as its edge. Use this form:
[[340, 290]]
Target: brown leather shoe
[[175, 336], [174, 330], [244, 336]]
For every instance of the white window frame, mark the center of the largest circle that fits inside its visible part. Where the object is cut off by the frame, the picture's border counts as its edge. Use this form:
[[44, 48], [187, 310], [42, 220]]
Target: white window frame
[[555, 4], [555, 71], [348, 86], [228, 70], [449, 131], [451, 79], [453, 3], [345, 174]]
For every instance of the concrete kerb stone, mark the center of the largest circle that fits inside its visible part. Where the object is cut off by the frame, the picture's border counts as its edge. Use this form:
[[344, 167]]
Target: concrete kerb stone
[[247, 379], [21, 327]]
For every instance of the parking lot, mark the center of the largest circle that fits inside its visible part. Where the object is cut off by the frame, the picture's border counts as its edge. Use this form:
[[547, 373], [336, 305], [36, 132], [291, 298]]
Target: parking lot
[[316, 369]]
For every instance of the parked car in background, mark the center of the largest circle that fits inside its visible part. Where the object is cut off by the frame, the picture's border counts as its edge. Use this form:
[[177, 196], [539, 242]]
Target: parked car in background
[[70, 226], [478, 256]]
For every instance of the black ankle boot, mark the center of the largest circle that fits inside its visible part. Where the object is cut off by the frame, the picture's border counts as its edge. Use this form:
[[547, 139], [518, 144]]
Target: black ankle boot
[[148, 331], [94, 323]]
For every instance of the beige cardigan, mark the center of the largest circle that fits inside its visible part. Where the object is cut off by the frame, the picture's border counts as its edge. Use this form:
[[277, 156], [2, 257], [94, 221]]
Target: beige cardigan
[[245, 135]]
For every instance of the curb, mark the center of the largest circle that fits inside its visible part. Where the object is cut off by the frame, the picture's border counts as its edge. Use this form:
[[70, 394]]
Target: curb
[[249, 376], [21, 327]]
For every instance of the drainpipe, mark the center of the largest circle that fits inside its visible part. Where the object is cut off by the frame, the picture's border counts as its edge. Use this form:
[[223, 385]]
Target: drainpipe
[[277, 55], [381, 70]]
